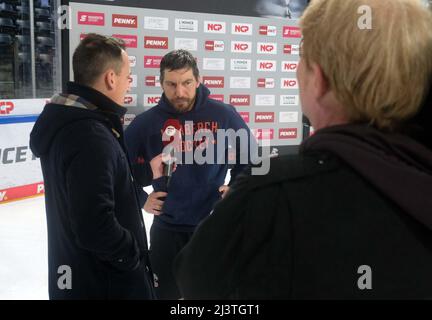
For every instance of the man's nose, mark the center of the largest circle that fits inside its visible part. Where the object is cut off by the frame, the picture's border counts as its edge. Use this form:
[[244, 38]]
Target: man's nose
[[180, 92]]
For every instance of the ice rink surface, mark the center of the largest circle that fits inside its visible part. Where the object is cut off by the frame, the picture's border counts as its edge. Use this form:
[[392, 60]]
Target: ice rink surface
[[23, 249]]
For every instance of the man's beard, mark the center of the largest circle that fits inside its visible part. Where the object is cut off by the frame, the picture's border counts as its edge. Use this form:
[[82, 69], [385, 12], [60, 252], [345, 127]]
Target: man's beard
[[183, 104]]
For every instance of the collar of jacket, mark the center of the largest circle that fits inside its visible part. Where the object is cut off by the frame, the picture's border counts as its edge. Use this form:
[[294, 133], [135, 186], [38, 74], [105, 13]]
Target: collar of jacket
[[96, 98]]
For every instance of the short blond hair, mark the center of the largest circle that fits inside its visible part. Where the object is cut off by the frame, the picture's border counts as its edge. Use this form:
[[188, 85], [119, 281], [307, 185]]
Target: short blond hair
[[380, 75]]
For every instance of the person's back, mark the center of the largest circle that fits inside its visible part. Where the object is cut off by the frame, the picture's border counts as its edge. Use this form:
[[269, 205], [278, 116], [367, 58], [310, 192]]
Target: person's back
[[349, 217], [287, 237]]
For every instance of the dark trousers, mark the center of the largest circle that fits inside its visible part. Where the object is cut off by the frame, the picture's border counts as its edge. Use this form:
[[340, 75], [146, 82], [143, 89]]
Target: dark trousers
[[164, 246]]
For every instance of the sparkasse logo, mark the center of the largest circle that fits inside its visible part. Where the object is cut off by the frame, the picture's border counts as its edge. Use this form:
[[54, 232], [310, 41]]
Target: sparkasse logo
[[263, 134], [125, 21], [155, 42], [152, 61], [239, 100], [291, 32], [91, 18], [214, 82], [129, 40]]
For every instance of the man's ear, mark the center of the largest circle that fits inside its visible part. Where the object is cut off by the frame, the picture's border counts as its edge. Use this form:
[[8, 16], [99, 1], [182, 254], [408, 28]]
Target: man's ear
[[320, 82], [198, 81], [110, 80]]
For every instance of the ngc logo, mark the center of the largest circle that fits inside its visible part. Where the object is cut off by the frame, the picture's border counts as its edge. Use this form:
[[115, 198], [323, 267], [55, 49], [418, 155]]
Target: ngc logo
[[241, 29], [151, 100], [214, 45], [266, 65], [156, 42], [217, 97], [132, 61], [241, 47], [152, 61], [214, 27], [91, 18], [263, 134], [120, 20], [289, 66], [291, 32], [130, 100], [239, 100], [268, 83], [267, 31], [152, 81], [291, 49], [133, 80], [130, 41], [6, 107], [287, 133], [214, 82], [186, 25], [264, 116], [245, 116], [289, 83], [266, 48]]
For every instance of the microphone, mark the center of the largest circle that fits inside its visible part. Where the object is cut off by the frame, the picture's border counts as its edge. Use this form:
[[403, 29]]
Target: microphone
[[171, 138]]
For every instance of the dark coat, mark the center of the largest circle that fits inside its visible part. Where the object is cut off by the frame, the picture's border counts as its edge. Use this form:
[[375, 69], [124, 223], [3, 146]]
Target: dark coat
[[308, 229], [95, 225]]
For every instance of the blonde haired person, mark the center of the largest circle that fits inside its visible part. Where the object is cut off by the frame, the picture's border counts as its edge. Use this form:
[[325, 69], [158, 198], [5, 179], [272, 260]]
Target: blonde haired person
[[350, 216]]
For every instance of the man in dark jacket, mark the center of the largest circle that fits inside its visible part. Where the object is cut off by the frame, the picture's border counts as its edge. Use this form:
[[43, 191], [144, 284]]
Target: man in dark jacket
[[194, 187], [97, 246], [350, 217]]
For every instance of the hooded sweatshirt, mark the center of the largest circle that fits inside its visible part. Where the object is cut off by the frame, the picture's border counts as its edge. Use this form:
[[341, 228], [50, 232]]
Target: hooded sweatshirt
[[94, 222], [193, 188]]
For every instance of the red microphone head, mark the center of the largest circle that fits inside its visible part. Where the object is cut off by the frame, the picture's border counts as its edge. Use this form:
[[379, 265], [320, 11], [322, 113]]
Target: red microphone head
[[171, 132]]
